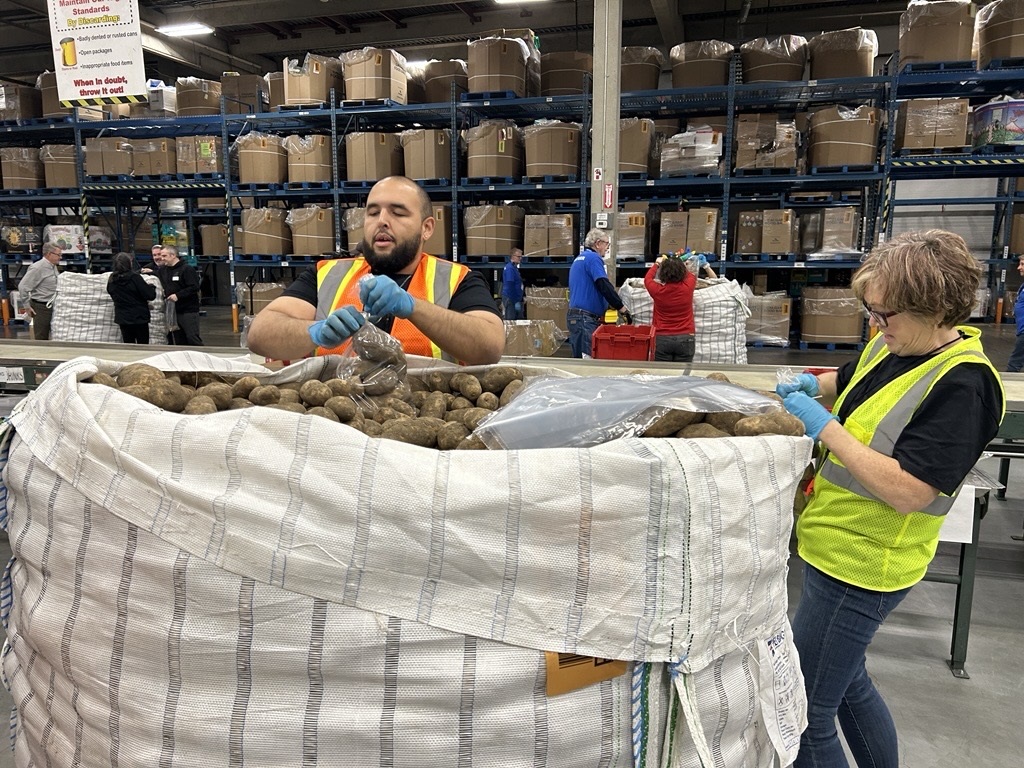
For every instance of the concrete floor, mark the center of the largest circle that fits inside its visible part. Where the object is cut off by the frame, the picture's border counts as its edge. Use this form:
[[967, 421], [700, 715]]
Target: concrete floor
[[943, 722]]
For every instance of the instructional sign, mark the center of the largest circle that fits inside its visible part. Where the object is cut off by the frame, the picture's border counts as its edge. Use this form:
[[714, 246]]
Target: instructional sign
[[97, 52]]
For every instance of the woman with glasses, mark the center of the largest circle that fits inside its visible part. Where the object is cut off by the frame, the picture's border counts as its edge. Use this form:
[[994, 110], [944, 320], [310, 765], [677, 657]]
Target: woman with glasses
[[910, 418]]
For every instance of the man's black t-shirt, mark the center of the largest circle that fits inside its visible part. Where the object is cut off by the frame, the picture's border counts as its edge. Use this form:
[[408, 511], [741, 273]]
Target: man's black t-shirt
[[951, 427], [472, 294]]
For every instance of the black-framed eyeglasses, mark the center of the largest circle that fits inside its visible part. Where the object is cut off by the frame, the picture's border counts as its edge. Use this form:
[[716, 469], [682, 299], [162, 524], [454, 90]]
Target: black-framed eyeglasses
[[881, 318]]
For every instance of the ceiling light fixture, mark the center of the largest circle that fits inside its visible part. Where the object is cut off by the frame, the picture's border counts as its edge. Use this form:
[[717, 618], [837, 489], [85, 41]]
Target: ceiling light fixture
[[517, 2], [188, 29]]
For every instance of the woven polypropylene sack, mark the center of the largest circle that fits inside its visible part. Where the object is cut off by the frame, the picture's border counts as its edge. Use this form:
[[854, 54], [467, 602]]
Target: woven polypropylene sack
[[180, 600], [720, 315], [83, 310], [637, 300]]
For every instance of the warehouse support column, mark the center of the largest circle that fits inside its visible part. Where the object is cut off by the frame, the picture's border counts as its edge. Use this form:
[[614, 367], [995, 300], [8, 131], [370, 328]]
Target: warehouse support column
[[604, 179]]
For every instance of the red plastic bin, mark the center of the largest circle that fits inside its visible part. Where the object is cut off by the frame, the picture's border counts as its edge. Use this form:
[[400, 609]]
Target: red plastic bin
[[623, 342]]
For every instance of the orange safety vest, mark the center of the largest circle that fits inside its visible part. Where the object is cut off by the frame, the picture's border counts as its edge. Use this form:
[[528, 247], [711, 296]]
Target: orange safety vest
[[434, 280]]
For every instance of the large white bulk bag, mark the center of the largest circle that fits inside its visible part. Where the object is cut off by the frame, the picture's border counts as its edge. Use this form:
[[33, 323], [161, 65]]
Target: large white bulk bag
[[83, 310], [720, 315], [259, 588]]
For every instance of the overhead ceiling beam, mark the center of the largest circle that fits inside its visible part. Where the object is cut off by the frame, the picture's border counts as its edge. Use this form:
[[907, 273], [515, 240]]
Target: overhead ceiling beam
[[472, 16], [271, 29], [339, 26], [396, 20], [227, 13], [669, 21]]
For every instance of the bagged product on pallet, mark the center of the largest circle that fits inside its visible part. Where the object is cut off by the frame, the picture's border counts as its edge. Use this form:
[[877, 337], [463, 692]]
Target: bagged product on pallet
[[335, 605], [84, 312]]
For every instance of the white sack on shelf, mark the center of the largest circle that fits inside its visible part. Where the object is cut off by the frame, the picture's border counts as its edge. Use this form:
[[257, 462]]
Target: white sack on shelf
[[352, 601]]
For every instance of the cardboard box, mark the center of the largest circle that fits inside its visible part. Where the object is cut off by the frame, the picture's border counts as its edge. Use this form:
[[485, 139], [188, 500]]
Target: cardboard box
[[702, 230], [636, 143], [770, 59], [275, 89], [21, 168], [641, 68], [262, 159], [70, 238], [214, 239], [942, 30], [630, 240], [672, 231], [691, 152], [564, 73], [155, 157], [749, 231], [998, 123], [440, 241], [372, 156], [309, 159], [830, 315], [999, 28], [527, 338], [700, 63], [928, 123], [839, 229], [552, 149], [51, 107], [493, 230], [161, 101], [312, 230], [535, 236], [259, 295], [495, 148], [60, 165], [779, 233], [438, 77], [951, 120], [352, 222], [562, 234], [769, 320], [196, 96], [427, 153], [20, 102], [548, 303], [244, 94], [118, 157], [498, 64], [266, 231], [1017, 234], [311, 80], [760, 283], [842, 53], [842, 136], [373, 73]]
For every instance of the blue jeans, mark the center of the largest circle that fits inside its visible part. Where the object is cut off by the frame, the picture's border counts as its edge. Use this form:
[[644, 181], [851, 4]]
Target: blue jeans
[[513, 309], [581, 330], [1017, 356], [833, 627]]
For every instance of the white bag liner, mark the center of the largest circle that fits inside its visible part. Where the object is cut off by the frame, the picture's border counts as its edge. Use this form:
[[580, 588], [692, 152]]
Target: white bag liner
[[256, 587]]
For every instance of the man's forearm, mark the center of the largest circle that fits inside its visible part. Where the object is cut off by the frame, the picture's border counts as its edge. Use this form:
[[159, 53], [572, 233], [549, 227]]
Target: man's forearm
[[279, 336], [475, 338]]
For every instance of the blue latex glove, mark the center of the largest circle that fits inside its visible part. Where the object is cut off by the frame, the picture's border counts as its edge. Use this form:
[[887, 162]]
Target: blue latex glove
[[809, 411], [381, 296], [518, 307], [336, 327], [702, 261], [805, 382]]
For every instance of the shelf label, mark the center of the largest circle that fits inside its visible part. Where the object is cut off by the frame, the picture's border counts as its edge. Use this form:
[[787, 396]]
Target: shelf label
[[12, 375], [800, 264]]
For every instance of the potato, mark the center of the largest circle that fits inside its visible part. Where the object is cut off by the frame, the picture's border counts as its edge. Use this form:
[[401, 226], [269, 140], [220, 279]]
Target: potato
[[289, 396], [418, 398], [346, 387], [471, 417], [371, 428], [265, 394], [496, 379], [382, 415], [138, 373], [103, 378], [357, 420], [343, 407], [217, 391], [511, 390], [467, 385], [201, 404], [324, 413], [488, 400], [421, 432], [141, 391], [471, 443], [199, 379], [169, 395], [438, 382], [671, 422], [724, 420], [294, 407], [380, 382], [401, 407], [716, 376], [244, 386], [315, 393], [189, 390], [434, 405], [771, 394], [450, 435], [240, 402], [293, 386], [774, 423], [701, 430], [417, 384], [172, 376], [402, 391], [459, 403], [449, 398]]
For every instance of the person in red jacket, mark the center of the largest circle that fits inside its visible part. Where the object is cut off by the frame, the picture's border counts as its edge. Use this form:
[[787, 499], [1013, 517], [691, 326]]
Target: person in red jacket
[[671, 287]]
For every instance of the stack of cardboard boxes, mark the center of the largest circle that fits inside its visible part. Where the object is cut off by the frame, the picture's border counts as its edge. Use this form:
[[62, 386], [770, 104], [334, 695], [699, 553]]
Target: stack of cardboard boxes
[[549, 235], [309, 159], [427, 153], [844, 136], [765, 141], [312, 230], [21, 168], [372, 156], [262, 159], [693, 152], [932, 124], [266, 231], [552, 148], [493, 230], [494, 149], [830, 316], [548, 303], [20, 102], [372, 74], [311, 80]]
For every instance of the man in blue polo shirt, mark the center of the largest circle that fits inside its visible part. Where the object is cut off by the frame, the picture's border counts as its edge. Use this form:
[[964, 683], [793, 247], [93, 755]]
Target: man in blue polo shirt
[[1017, 356], [512, 287], [590, 292]]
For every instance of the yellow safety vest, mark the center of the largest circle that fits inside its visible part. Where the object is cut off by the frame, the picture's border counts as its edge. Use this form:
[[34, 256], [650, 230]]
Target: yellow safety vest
[[844, 530]]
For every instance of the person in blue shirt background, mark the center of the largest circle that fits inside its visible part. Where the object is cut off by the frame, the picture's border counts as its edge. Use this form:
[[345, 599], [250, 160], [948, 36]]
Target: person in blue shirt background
[[512, 287], [1017, 356], [590, 292]]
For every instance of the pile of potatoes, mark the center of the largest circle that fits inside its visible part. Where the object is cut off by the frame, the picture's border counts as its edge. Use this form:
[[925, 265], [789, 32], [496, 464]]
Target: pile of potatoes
[[437, 410]]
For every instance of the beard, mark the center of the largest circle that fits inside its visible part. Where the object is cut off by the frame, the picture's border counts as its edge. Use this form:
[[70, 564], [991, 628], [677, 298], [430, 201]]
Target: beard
[[403, 253]]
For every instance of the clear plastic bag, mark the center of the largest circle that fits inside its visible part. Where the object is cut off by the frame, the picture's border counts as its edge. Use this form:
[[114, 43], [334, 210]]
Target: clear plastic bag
[[578, 413]]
